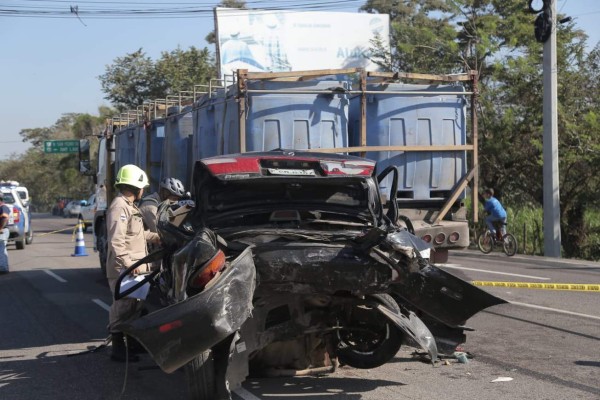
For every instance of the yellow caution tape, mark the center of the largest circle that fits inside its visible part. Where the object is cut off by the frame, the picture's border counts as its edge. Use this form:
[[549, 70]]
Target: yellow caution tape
[[53, 232], [579, 287]]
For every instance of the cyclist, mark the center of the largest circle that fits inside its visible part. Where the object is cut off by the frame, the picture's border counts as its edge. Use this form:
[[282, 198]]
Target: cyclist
[[496, 212]]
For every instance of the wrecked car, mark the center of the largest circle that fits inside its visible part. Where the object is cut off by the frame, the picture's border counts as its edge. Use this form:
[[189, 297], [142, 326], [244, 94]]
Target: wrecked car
[[289, 261]]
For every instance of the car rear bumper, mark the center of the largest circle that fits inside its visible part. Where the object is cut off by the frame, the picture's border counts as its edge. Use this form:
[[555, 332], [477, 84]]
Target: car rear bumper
[[14, 233]]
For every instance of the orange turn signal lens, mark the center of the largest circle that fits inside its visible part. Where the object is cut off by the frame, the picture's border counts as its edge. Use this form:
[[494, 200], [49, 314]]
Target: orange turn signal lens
[[208, 270]]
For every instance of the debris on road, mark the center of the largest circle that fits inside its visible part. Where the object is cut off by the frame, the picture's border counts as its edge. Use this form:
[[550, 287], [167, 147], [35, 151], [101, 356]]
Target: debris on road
[[502, 379], [461, 357]]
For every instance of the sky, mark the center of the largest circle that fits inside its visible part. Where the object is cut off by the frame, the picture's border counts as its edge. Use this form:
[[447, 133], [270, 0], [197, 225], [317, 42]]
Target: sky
[[49, 66]]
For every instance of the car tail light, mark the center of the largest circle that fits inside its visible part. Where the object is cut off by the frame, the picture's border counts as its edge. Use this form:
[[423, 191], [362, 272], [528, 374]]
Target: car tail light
[[440, 238], [16, 215], [427, 238], [208, 271], [453, 238]]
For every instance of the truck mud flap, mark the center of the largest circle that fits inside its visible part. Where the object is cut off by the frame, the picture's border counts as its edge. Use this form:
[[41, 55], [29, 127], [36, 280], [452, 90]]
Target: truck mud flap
[[413, 327], [176, 334], [443, 296]]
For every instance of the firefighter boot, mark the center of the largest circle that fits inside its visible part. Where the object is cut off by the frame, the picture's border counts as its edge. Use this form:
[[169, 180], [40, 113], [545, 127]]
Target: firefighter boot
[[119, 352]]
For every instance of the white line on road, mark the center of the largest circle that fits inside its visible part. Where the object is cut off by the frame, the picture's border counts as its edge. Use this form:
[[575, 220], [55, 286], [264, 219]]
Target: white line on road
[[244, 394], [52, 274], [451, 266], [101, 304], [557, 310]]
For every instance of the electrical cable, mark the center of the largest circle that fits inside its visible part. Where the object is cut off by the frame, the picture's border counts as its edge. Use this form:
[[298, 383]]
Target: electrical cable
[[46, 10]]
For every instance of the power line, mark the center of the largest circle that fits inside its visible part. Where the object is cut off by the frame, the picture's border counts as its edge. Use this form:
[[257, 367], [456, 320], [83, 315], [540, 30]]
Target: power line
[[173, 12], [47, 8]]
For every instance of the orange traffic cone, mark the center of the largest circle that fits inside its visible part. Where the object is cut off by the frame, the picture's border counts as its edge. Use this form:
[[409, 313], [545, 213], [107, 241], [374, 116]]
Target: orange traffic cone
[[79, 241]]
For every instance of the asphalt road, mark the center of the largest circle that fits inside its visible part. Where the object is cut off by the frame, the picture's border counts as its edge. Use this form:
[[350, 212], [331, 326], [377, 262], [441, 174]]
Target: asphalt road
[[54, 306]]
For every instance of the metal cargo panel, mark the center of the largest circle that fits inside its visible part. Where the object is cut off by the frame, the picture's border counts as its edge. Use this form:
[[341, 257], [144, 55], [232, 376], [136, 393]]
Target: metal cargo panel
[[295, 121], [178, 130], [407, 120], [205, 141], [156, 131], [274, 120], [125, 145]]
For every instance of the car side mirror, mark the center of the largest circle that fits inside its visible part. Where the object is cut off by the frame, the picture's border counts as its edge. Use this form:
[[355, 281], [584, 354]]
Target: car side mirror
[[85, 164], [83, 203]]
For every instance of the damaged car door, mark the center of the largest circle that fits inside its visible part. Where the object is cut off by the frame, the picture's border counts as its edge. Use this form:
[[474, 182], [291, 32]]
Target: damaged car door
[[208, 296]]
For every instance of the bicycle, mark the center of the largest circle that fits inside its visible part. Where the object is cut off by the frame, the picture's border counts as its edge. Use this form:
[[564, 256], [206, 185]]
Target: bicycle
[[487, 241]]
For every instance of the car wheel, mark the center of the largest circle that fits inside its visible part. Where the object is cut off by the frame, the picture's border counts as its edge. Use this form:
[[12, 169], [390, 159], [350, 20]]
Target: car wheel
[[200, 374], [375, 341], [20, 244], [29, 237]]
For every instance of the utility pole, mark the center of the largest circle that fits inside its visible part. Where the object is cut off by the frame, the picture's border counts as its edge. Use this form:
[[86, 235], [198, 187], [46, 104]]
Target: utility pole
[[550, 147]]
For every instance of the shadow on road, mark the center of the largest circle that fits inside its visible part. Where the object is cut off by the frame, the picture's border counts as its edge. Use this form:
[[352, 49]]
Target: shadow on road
[[317, 387]]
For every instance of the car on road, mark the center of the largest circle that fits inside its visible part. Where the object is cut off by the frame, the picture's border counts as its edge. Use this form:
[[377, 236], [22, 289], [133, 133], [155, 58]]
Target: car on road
[[21, 191], [87, 211], [19, 223], [72, 209], [287, 260]]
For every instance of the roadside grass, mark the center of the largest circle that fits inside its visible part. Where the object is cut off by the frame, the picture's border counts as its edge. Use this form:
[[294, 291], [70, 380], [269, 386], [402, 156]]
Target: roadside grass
[[526, 224]]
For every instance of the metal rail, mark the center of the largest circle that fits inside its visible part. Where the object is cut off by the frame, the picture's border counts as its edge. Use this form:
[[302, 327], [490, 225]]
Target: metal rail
[[158, 108], [243, 76]]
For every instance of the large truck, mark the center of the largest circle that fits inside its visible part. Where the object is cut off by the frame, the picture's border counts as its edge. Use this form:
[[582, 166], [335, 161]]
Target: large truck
[[413, 123]]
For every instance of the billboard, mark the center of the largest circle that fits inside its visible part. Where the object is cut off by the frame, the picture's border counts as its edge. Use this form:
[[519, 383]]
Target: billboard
[[264, 40]]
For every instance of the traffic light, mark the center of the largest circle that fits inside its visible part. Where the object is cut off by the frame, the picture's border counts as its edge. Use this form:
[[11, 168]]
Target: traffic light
[[543, 21]]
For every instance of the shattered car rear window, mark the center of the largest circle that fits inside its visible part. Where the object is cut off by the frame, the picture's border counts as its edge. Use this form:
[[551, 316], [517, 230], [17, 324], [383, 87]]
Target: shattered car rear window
[[249, 193]]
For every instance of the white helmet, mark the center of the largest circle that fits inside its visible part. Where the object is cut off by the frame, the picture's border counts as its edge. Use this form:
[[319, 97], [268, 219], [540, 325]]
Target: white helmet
[[174, 186]]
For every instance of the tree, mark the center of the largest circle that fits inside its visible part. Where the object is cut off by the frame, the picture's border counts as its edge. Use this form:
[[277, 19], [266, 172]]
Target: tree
[[135, 77], [495, 38], [182, 69], [419, 41], [50, 176], [131, 79]]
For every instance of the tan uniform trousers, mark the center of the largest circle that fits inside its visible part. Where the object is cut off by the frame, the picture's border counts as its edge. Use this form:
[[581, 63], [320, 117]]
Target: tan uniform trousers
[[122, 311]]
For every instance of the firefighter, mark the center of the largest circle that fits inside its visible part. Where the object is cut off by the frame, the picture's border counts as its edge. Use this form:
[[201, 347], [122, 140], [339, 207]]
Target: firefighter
[[127, 243]]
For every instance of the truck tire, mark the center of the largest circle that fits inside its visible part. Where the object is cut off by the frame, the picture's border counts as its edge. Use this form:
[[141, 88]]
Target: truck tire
[[29, 237], [102, 245], [20, 244], [359, 354], [200, 374]]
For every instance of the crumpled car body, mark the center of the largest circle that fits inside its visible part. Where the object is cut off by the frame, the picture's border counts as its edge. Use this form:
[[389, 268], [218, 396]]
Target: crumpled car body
[[314, 265]]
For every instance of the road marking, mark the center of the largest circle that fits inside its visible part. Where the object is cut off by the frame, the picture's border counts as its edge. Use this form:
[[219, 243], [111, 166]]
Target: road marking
[[516, 303], [244, 394], [42, 352], [52, 274], [491, 272], [101, 304], [578, 287]]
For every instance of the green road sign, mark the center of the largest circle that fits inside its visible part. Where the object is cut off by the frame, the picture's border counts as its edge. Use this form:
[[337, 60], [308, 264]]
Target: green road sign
[[61, 146]]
